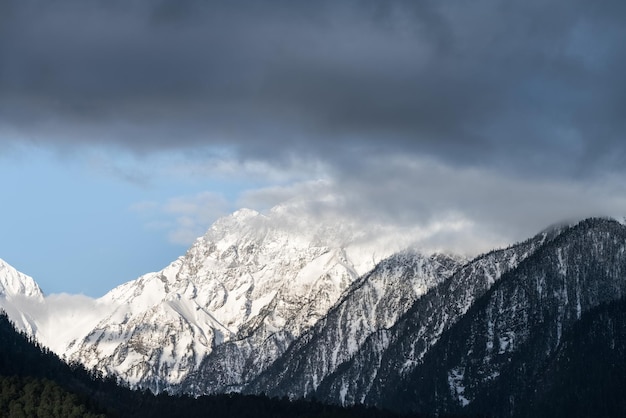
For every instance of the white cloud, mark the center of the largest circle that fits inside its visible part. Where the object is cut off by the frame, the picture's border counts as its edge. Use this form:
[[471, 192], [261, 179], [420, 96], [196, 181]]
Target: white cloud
[[402, 198], [59, 318], [441, 207]]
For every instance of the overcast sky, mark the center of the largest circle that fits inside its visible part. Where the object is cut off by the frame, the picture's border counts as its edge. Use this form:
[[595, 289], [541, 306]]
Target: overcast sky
[[127, 127]]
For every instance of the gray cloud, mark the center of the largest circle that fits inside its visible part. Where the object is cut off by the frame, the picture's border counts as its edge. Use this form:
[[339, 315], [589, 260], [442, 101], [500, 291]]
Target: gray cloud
[[417, 112], [471, 209], [532, 87]]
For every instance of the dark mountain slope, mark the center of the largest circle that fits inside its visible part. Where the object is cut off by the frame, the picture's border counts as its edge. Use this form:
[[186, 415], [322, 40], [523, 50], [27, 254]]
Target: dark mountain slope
[[389, 354], [492, 360], [587, 374]]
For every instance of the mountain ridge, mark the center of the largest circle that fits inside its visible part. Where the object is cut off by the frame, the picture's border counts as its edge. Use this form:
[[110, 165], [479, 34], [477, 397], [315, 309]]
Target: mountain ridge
[[389, 353], [517, 325], [255, 307]]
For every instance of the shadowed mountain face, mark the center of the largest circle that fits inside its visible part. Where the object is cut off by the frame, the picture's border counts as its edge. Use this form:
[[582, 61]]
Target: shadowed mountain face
[[391, 353], [504, 357]]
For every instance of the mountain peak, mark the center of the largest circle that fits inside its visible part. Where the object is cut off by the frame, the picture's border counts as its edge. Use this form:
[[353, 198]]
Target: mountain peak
[[244, 213], [252, 284], [13, 283]]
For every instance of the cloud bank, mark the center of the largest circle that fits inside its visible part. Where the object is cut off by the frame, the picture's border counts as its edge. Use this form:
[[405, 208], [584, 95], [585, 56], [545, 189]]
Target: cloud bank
[[508, 115]]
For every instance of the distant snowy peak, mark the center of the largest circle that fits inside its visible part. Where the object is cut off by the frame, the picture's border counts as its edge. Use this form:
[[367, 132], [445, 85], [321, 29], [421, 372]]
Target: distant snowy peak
[[13, 283], [18, 294]]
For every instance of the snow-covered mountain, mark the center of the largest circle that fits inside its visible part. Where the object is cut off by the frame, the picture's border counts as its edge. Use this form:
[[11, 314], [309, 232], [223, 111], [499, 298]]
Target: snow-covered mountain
[[222, 314], [372, 303], [15, 284], [281, 305], [252, 284], [17, 290]]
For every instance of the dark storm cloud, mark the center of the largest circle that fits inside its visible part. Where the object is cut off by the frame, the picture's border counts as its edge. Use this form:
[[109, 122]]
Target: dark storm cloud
[[533, 87]]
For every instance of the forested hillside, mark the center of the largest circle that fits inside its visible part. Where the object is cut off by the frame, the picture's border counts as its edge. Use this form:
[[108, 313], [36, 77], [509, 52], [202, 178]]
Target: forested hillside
[[35, 383]]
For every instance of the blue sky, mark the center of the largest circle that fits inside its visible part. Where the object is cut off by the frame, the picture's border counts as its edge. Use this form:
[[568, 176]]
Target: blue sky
[[127, 128], [85, 219], [74, 226]]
